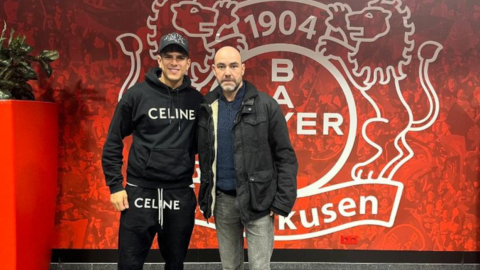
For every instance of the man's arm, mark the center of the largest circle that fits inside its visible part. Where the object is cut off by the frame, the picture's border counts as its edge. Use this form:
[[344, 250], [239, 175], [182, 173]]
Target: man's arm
[[285, 161], [112, 157], [197, 114]]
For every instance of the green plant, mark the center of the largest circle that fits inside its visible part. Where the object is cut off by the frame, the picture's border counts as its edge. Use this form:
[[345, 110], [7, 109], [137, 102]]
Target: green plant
[[15, 66]]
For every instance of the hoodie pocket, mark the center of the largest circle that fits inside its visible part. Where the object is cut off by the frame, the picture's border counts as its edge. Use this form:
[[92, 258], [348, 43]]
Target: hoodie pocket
[[262, 190], [168, 164]]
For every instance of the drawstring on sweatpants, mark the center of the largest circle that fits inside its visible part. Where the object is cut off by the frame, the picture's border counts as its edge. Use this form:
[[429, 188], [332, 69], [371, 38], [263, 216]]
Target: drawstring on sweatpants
[[160, 207]]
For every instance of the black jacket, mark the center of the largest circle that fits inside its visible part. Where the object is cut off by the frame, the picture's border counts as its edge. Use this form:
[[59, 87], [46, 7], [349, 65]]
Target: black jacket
[[265, 162], [162, 122]]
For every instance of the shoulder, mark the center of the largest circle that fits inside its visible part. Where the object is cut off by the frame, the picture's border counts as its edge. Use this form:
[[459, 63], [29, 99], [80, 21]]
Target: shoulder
[[260, 95], [137, 90], [194, 93], [135, 94], [265, 99], [212, 96]]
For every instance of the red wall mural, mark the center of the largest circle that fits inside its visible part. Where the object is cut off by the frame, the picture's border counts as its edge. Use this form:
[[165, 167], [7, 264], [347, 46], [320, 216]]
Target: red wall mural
[[382, 100]]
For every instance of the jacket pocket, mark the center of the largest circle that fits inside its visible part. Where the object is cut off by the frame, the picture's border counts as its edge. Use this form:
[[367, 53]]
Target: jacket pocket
[[254, 120], [168, 164], [262, 189], [254, 131]]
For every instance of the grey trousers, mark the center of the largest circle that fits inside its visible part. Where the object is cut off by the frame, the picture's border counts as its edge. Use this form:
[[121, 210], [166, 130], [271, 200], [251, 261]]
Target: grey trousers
[[259, 234]]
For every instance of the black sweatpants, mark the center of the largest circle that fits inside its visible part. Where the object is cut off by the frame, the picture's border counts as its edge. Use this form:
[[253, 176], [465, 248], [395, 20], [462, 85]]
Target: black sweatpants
[[145, 218]]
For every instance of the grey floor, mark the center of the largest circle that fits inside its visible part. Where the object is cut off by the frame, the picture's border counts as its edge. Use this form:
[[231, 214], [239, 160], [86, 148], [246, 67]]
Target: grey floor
[[279, 266]]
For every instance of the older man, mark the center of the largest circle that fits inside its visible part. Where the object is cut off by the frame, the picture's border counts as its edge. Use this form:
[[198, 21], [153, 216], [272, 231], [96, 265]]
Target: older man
[[248, 166]]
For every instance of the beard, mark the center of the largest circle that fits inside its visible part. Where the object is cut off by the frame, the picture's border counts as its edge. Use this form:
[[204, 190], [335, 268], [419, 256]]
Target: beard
[[230, 85]]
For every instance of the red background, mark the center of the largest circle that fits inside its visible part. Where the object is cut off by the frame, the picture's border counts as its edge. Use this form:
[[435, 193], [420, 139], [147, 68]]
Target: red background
[[438, 210]]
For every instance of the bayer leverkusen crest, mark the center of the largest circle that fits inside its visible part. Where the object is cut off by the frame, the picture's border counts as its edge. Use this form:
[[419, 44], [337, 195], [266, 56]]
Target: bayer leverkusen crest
[[338, 72]]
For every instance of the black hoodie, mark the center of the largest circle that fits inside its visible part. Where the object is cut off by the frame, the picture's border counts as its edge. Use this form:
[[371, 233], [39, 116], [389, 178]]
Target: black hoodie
[[162, 122]]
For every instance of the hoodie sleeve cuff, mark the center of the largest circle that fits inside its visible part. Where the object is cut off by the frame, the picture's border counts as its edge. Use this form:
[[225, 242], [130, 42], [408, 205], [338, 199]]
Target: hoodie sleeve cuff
[[279, 212], [116, 188]]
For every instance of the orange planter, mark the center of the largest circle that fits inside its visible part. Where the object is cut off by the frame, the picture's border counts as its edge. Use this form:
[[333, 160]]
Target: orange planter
[[28, 172]]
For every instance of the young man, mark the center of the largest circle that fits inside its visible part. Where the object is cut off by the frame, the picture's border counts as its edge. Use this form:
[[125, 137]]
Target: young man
[[248, 166], [160, 113]]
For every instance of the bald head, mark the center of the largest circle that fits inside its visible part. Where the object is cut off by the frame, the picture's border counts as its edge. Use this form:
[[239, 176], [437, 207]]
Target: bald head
[[229, 70], [228, 52]]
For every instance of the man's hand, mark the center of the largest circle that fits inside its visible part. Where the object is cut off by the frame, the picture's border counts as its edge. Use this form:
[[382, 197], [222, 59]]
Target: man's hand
[[271, 213], [119, 200]]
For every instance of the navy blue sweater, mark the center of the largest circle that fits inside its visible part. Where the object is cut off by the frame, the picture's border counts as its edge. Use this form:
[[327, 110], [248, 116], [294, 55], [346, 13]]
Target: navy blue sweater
[[227, 111]]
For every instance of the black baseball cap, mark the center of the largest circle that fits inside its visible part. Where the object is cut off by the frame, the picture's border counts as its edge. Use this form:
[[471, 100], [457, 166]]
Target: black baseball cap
[[173, 39]]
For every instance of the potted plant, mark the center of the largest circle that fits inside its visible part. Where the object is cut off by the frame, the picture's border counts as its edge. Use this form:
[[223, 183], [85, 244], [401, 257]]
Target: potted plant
[[28, 158], [15, 66]]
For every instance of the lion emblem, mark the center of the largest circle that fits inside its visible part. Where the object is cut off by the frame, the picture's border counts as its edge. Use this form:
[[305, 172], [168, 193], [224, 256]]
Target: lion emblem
[[201, 24], [374, 48], [212, 27]]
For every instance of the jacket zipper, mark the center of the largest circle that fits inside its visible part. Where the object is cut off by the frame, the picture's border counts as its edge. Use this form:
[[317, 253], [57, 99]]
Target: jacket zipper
[[210, 163]]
